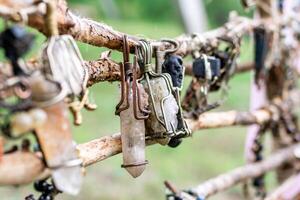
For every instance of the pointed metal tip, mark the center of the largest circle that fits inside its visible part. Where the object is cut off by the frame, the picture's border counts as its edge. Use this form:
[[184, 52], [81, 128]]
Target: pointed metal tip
[[136, 171]]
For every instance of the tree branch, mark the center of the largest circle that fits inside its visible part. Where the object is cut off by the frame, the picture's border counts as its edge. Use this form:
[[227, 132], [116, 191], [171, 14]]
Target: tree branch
[[100, 149], [105, 69], [102, 35], [288, 190], [241, 174]]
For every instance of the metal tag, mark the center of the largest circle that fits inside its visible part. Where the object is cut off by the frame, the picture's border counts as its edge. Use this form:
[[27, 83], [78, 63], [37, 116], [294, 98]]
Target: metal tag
[[56, 142], [64, 64], [165, 120]]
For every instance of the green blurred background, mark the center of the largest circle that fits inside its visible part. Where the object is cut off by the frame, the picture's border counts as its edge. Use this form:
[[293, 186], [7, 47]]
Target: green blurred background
[[205, 155]]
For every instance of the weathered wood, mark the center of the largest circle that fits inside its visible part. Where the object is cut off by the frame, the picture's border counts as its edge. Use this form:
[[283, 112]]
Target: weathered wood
[[103, 70], [276, 80], [20, 168], [288, 190], [100, 149], [230, 118], [106, 69], [102, 35]]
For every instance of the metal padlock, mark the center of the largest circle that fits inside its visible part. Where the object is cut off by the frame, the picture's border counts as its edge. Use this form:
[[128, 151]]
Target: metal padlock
[[200, 71], [206, 70], [63, 64], [162, 123]]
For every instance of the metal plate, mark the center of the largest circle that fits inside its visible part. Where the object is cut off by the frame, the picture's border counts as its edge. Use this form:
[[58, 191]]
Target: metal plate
[[64, 63]]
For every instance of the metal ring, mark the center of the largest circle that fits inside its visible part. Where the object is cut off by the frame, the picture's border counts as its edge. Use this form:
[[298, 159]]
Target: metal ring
[[68, 164], [136, 164]]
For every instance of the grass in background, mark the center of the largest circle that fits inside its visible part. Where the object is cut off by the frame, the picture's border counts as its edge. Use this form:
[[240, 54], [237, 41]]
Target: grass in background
[[206, 154]]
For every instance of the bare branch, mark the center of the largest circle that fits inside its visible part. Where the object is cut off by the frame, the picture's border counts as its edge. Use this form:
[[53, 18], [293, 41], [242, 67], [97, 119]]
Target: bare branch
[[102, 35], [288, 190], [105, 69], [100, 149], [20, 168], [230, 118], [241, 174]]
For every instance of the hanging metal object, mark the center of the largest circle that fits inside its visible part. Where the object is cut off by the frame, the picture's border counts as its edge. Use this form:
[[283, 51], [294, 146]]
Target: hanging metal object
[[63, 64], [59, 151], [132, 110], [228, 56], [211, 73], [206, 71], [173, 65], [63, 75], [163, 123]]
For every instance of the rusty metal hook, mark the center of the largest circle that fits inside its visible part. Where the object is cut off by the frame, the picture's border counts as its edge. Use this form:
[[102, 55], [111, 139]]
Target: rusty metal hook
[[128, 83], [161, 54], [172, 42]]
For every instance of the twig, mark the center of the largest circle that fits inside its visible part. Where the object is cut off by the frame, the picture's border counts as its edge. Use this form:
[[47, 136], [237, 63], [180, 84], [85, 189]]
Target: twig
[[288, 190]]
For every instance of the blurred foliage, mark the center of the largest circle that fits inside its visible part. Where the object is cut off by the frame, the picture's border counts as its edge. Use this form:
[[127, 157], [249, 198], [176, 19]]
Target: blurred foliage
[[158, 10], [218, 11]]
